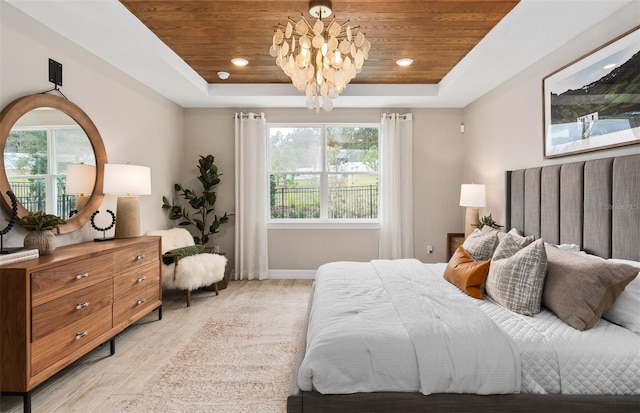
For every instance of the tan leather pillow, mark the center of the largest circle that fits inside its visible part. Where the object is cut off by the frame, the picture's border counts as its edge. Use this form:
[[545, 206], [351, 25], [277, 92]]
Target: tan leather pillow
[[466, 273]]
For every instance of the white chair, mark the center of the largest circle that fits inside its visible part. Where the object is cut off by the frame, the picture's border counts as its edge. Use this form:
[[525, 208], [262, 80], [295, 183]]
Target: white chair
[[188, 272]]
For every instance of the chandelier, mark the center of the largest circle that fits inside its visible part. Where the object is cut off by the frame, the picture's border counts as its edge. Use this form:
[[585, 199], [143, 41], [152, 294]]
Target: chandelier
[[320, 59]]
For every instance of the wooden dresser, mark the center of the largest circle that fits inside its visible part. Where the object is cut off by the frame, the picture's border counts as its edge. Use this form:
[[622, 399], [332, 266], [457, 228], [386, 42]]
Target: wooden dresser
[[58, 307]]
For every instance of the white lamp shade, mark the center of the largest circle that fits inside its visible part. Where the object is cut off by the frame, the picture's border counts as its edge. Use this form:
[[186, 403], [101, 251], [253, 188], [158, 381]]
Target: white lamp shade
[[472, 195], [125, 179], [81, 178]]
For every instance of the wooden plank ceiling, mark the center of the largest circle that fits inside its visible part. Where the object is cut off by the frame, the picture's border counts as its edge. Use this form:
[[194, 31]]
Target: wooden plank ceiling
[[207, 34]]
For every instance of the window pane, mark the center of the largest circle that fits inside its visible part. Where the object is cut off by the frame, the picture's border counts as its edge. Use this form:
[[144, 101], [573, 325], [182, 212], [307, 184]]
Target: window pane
[[294, 149], [30, 192], [25, 153], [295, 196], [353, 196], [352, 149], [72, 146]]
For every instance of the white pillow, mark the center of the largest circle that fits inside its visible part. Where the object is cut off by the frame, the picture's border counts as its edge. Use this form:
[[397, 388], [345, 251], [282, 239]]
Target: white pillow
[[566, 247], [626, 310]]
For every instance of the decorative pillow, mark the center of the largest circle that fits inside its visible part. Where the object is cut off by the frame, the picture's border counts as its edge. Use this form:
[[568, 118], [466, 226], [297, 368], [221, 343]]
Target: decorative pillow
[[516, 276], [183, 252], [481, 245], [466, 273], [579, 289], [522, 240], [626, 310]]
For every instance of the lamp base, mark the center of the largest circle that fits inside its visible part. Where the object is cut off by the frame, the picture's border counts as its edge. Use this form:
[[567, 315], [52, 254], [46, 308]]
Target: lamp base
[[127, 217], [471, 217]]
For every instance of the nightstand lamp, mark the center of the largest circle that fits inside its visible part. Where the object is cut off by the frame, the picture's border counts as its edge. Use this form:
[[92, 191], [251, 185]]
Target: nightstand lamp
[[81, 178], [472, 196], [127, 181]]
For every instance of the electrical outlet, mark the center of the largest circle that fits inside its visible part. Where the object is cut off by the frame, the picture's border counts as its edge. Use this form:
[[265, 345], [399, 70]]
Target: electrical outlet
[[430, 249]]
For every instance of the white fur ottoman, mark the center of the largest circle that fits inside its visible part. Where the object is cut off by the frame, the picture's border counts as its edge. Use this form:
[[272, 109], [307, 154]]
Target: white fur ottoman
[[194, 271]]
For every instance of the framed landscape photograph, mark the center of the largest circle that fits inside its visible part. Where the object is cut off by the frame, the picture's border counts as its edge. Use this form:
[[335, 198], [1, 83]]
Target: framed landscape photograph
[[594, 102]]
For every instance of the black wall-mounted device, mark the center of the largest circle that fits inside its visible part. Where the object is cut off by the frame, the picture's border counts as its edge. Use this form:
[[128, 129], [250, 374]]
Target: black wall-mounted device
[[55, 72]]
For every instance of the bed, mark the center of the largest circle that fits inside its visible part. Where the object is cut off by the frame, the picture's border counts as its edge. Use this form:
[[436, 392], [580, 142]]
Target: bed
[[552, 361]]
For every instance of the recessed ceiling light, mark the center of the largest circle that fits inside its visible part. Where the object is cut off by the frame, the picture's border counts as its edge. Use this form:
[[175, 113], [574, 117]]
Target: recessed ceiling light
[[238, 61], [223, 75], [610, 66], [405, 61]]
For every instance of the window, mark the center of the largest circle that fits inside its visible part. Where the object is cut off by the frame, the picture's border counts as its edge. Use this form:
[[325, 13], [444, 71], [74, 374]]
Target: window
[[323, 173], [36, 160]]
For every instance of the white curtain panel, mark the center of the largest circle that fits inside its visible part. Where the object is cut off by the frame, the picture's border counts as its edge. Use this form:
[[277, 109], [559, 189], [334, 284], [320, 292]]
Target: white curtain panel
[[396, 187], [251, 195]]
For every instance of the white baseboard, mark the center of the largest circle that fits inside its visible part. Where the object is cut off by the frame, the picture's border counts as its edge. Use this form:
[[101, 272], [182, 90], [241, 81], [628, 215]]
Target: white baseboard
[[292, 274]]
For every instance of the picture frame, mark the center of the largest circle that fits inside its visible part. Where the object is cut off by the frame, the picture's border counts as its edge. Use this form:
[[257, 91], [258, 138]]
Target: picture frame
[[593, 103]]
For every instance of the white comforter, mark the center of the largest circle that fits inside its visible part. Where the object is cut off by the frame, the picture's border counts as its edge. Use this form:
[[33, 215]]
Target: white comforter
[[398, 327]]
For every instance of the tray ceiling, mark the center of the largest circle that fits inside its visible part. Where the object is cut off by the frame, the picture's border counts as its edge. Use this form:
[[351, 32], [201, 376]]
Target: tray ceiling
[[207, 34]]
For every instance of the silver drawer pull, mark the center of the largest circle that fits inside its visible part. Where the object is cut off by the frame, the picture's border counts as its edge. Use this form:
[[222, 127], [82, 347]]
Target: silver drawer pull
[[140, 257], [80, 335], [81, 276], [80, 306], [140, 279], [141, 301]]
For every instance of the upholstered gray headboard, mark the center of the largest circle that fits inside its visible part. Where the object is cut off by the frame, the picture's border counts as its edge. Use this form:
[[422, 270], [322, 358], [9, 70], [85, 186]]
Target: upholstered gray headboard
[[595, 204]]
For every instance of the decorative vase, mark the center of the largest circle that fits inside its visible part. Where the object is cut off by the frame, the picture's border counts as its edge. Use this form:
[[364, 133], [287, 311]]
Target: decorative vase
[[43, 241]]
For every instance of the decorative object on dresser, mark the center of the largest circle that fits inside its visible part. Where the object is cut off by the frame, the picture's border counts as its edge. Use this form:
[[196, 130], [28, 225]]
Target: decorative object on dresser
[[203, 204], [472, 196], [197, 268], [13, 217], [57, 308], [454, 240], [127, 181], [103, 229], [40, 235]]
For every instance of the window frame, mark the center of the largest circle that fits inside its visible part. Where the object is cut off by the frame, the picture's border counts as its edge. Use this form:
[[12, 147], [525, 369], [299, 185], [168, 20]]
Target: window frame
[[52, 175], [324, 222]]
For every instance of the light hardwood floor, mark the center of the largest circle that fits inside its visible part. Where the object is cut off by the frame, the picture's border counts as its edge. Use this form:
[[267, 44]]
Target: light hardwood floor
[[98, 382]]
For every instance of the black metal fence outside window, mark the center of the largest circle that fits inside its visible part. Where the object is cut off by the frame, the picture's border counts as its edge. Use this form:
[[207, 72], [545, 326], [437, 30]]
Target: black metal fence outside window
[[350, 202], [32, 195]]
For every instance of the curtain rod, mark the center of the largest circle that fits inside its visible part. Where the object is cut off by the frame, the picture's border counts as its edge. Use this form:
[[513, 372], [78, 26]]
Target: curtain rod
[[246, 115], [399, 116]]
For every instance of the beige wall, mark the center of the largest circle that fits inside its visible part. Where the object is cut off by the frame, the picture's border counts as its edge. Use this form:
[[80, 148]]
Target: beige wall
[[437, 175], [503, 131], [137, 125], [504, 128]]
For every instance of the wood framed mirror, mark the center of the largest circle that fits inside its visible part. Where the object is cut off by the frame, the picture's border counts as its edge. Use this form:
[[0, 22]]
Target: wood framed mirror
[[66, 149]]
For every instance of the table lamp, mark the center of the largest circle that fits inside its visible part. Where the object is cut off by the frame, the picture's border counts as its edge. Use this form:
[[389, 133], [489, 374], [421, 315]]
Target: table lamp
[[472, 196], [127, 181], [81, 178]]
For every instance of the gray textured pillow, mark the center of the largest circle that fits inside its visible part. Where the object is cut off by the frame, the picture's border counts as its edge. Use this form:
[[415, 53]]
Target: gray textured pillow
[[481, 245], [517, 275], [579, 289]]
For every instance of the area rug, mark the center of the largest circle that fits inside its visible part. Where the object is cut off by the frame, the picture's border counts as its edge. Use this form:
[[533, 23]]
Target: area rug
[[241, 360]]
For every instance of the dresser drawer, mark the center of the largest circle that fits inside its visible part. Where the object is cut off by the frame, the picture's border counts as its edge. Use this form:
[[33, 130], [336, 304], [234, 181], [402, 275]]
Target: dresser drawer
[[54, 282], [136, 280], [66, 340], [54, 315], [137, 256], [135, 302]]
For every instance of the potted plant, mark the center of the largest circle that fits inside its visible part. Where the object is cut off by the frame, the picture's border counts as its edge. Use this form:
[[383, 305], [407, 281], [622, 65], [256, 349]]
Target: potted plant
[[40, 226], [488, 221], [203, 216]]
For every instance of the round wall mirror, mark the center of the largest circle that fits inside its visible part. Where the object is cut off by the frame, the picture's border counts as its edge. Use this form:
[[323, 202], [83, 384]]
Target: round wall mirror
[[43, 138]]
